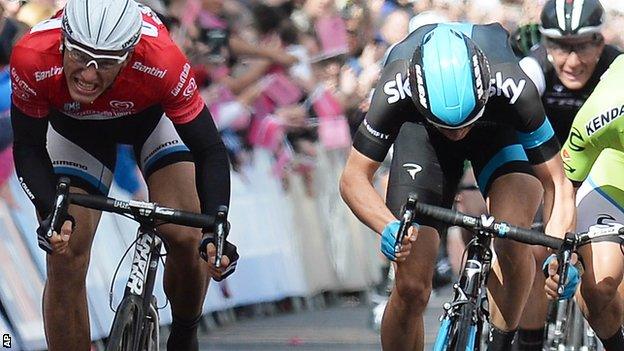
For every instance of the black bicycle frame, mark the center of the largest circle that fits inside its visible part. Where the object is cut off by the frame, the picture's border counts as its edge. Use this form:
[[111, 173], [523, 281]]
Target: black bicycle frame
[[144, 265]]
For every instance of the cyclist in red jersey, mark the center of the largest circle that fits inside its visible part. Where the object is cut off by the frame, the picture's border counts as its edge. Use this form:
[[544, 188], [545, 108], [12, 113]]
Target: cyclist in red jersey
[[103, 72]]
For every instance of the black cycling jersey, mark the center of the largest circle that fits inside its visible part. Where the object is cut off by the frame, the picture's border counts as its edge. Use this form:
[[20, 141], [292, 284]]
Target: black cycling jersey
[[512, 101], [562, 104]]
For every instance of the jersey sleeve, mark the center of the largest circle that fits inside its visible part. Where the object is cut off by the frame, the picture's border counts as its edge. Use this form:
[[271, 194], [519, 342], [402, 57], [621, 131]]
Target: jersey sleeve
[[578, 153], [28, 94], [181, 100], [390, 107], [524, 107]]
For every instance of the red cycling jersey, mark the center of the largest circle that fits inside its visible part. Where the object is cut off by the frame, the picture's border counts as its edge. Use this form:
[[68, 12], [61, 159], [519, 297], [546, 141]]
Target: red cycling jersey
[[157, 73]]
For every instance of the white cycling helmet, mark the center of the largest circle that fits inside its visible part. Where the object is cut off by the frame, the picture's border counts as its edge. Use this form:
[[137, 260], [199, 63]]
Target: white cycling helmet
[[111, 25]]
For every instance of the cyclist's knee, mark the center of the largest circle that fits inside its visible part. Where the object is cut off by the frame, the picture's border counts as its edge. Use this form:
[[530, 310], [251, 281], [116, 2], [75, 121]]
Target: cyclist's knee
[[512, 252], [181, 238], [68, 266], [599, 295], [414, 292]]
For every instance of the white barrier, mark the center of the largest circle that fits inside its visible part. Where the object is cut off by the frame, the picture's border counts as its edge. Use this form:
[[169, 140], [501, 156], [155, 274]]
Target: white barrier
[[290, 245]]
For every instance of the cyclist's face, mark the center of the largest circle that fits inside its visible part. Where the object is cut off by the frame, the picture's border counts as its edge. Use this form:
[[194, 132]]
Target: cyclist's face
[[88, 77], [455, 134], [574, 61]]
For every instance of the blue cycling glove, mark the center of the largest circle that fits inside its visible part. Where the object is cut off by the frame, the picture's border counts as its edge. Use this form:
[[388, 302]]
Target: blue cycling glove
[[388, 239], [572, 281]]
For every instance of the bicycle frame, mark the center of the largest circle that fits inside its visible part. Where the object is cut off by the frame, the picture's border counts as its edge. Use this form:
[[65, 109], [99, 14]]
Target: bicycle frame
[[142, 276], [469, 298]]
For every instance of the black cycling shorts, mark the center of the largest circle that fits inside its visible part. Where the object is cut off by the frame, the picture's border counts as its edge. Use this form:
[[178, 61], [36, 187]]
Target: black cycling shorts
[[86, 150], [429, 164]]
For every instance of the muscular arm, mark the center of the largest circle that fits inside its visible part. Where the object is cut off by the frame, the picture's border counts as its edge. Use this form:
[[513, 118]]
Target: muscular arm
[[32, 161], [356, 188], [212, 167], [559, 208]]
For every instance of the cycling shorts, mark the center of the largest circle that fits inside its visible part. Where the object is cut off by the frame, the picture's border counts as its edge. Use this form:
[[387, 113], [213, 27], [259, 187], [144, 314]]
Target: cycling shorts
[[600, 198], [429, 164], [86, 150]]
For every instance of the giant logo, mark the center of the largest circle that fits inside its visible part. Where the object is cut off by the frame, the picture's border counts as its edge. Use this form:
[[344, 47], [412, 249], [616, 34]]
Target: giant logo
[[139, 265]]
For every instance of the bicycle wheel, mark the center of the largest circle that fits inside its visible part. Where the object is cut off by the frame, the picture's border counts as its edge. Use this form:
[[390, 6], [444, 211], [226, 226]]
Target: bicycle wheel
[[466, 332], [126, 328], [151, 333]]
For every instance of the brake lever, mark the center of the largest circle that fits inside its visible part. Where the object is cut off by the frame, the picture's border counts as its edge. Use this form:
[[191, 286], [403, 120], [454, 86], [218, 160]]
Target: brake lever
[[221, 232], [407, 219], [61, 205], [564, 257]]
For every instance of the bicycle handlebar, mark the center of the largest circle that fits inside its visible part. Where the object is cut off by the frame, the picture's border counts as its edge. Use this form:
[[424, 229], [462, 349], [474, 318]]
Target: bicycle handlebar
[[487, 224], [143, 209]]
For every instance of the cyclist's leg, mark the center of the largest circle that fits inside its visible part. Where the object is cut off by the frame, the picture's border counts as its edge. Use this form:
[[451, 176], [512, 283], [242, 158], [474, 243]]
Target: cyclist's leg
[[170, 177], [603, 305], [531, 330], [513, 194], [86, 156], [422, 165], [600, 201]]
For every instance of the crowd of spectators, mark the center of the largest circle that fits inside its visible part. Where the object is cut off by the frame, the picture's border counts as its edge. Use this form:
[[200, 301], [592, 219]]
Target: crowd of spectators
[[293, 76]]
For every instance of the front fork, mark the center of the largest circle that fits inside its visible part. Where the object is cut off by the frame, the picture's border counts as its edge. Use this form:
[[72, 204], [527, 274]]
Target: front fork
[[469, 290]]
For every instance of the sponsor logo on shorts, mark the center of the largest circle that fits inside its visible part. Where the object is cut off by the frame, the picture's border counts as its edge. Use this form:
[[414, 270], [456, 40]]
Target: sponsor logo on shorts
[[603, 217], [412, 169], [160, 147], [69, 164]]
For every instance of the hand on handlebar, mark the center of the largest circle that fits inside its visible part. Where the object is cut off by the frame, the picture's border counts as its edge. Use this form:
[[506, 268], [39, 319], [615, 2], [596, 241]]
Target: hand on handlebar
[[550, 269], [228, 260], [57, 243], [388, 240]]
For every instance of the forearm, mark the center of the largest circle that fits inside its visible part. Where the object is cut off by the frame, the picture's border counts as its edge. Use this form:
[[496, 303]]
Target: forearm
[[212, 167], [559, 209], [32, 161], [358, 192]]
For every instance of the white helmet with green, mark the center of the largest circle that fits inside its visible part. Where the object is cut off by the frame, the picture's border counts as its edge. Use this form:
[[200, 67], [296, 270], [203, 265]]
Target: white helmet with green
[[110, 25]]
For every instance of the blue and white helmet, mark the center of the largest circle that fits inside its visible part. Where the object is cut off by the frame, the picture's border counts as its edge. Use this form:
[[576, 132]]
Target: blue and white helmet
[[449, 78], [110, 25]]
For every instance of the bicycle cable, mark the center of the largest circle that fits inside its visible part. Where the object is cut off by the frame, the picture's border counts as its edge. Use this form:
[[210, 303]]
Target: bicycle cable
[[110, 291]]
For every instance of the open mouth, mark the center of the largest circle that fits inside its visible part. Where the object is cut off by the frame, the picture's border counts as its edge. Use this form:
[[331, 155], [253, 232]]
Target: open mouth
[[85, 88]]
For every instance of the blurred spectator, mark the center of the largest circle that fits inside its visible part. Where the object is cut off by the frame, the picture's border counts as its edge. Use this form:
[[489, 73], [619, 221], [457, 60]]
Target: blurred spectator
[[10, 31], [32, 13]]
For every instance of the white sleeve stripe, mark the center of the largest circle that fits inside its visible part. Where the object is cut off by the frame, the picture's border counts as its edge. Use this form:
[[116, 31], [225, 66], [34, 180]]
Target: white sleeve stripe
[[532, 68]]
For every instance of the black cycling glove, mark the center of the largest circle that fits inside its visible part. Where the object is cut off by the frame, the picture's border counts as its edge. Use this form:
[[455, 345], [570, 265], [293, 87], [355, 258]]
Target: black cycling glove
[[44, 226], [229, 250]]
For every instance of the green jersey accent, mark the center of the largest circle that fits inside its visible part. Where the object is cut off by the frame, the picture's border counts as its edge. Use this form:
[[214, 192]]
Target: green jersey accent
[[598, 125]]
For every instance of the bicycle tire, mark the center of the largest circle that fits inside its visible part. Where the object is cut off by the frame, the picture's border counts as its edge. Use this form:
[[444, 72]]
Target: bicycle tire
[[150, 339], [125, 329], [466, 330]]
